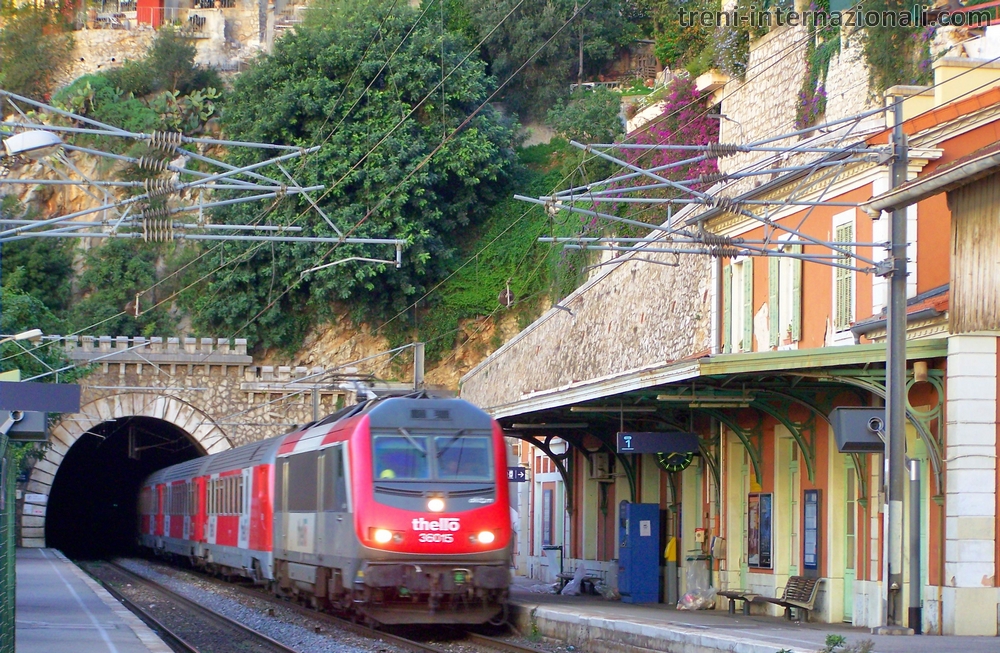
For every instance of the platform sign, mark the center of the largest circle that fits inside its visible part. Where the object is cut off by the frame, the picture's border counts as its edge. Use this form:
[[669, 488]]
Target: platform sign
[[517, 474], [658, 442], [40, 397]]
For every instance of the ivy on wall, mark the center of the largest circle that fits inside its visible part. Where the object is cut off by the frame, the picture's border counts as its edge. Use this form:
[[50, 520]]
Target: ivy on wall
[[823, 43], [897, 54]]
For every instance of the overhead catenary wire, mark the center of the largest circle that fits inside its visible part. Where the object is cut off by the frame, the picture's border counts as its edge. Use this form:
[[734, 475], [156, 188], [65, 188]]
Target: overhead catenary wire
[[425, 295]]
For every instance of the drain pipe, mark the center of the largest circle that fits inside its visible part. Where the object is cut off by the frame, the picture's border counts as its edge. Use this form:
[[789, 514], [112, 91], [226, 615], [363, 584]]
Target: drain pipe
[[915, 612]]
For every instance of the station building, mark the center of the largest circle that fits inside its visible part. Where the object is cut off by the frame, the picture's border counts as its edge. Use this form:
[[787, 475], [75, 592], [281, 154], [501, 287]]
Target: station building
[[752, 354]]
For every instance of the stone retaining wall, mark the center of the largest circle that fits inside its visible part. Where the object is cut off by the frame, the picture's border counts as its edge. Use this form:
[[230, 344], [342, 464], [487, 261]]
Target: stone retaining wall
[[635, 315], [764, 103]]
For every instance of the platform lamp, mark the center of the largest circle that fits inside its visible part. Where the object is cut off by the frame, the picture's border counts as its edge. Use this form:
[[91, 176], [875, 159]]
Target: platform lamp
[[32, 145]]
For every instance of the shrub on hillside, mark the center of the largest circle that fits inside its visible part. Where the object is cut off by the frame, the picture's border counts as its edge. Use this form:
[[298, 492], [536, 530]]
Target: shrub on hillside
[[590, 116], [35, 46], [397, 161]]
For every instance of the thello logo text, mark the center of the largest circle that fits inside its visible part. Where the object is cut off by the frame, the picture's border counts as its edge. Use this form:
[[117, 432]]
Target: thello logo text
[[443, 524]]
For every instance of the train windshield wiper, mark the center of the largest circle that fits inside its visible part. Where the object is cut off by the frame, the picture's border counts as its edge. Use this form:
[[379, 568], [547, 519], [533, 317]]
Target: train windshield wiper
[[450, 441], [412, 441]]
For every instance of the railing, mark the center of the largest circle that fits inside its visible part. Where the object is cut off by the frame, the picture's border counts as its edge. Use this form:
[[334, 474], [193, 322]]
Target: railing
[[138, 349], [611, 86]]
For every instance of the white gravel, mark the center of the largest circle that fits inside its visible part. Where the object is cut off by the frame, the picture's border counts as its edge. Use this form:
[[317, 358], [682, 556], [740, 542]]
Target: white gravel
[[290, 627], [286, 626]]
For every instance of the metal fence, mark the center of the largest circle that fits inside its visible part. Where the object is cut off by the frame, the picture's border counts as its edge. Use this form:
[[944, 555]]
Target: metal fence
[[8, 561]]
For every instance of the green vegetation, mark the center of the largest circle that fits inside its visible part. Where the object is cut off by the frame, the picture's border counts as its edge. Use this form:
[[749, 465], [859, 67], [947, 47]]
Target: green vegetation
[[40, 267], [897, 54], [22, 312], [590, 116], [400, 159], [838, 644], [504, 251], [822, 46], [165, 90], [35, 45], [118, 275], [538, 51]]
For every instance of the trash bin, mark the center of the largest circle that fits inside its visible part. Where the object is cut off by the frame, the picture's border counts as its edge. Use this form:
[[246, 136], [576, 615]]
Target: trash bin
[[698, 591], [550, 552]]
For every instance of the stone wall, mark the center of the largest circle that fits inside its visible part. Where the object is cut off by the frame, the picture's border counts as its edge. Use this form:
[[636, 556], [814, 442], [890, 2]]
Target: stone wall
[[98, 50], [223, 38], [847, 90], [635, 315], [247, 402], [764, 103]]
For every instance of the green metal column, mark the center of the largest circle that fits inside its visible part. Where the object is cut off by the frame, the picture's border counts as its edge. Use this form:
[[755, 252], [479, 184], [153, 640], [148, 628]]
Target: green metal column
[[7, 556]]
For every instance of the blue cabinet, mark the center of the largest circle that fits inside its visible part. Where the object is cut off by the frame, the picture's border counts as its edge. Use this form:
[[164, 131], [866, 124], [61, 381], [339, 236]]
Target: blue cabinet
[[639, 552]]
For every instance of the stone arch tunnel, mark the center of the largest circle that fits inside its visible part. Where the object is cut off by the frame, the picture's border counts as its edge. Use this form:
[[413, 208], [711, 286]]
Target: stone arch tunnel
[[82, 495], [91, 511], [145, 405]]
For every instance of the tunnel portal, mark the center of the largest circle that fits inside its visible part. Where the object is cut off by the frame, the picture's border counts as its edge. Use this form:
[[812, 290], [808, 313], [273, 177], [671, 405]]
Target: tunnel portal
[[92, 507]]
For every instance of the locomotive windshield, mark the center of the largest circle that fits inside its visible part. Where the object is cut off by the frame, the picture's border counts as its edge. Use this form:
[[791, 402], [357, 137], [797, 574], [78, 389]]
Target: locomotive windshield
[[401, 457], [443, 457], [462, 458]]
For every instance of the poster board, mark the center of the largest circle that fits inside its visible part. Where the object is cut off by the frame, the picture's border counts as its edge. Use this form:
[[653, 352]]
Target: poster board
[[759, 522], [810, 541]]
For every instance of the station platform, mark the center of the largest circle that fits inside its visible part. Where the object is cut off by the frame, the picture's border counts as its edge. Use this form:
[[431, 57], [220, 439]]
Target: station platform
[[596, 625], [60, 608]]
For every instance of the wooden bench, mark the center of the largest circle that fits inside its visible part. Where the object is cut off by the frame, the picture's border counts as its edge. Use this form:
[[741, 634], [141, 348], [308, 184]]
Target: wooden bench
[[746, 596], [799, 593]]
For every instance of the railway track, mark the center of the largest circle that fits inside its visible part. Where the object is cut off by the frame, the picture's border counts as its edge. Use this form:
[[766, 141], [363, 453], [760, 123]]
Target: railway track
[[183, 624], [460, 637], [406, 643]]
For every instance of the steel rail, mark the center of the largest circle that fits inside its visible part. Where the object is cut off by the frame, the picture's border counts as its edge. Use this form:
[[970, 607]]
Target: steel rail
[[196, 607], [169, 637], [372, 633], [499, 644], [398, 640]]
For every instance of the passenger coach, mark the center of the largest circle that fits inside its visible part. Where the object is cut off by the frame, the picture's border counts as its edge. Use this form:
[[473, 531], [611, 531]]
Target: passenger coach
[[397, 508]]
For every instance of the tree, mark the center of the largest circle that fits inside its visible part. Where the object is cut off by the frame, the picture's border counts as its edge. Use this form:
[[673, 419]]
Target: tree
[[538, 50], [590, 116], [401, 158], [40, 267], [22, 312], [35, 46], [113, 275]]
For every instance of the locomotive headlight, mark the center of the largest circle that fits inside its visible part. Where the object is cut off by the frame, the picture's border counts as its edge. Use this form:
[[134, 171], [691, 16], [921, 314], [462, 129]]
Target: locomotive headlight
[[382, 535], [435, 505], [486, 537]]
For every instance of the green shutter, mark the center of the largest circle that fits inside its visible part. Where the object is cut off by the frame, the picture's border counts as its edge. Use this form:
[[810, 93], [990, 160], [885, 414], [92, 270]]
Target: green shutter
[[796, 294], [748, 305], [773, 301], [727, 309], [844, 299]]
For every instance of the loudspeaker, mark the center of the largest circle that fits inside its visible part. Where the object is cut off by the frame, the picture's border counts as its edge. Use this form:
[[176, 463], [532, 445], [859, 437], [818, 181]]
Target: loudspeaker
[[858, 429]]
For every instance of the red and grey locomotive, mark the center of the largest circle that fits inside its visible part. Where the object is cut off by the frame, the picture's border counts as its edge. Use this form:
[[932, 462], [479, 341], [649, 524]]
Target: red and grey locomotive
[[396, 508]]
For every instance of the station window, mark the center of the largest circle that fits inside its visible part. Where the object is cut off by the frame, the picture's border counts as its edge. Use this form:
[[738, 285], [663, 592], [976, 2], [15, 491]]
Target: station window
[[785, 297], [843, 279], [737, 305]]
